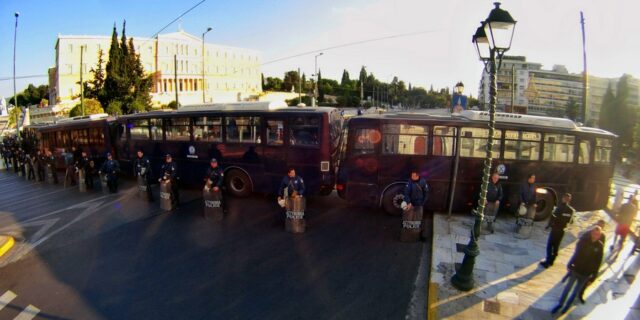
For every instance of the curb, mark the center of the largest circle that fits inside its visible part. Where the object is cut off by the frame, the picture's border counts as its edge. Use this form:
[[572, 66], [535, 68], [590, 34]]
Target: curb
[[6, 243]]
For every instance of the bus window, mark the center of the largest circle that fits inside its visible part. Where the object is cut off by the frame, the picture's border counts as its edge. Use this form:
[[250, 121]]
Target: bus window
[[444, 141], [122, 132], [178, 129], [365, 140], [207, 129], [584, 153], [305, 131], [82, 137], [74, 137], [139, 130], [603, 151], [243, 129], [522, 145], [405, 139], [95, 136], [155, 126], [275, 132], [558, 147], [473, 143]]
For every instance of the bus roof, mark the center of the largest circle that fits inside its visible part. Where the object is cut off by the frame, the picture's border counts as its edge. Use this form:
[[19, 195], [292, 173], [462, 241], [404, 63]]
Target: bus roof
[[472, 116], [229, 107]]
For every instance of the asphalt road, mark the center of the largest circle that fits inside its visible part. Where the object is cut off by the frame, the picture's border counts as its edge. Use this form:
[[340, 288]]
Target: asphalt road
[[102, 256]]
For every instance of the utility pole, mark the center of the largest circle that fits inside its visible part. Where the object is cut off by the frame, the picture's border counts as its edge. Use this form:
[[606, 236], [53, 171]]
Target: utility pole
[[299, 87], [15, 97], [585, 75], [175, 73], [203, 80], [81, 82], [513, 88]]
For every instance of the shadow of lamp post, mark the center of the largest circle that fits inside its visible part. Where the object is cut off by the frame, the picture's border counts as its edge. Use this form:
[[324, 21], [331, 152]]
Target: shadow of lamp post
[[492, 40]]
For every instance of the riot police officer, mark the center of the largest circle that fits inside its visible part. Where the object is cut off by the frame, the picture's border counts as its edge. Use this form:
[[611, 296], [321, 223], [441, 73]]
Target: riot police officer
[[111, 168], [41, 162], [51, 163], [84, 163], [214, 179], [31, 175], [293, 184], [142, 168], [169, 172]]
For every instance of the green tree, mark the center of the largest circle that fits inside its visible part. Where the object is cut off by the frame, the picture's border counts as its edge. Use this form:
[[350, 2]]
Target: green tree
[[114, 108], [606, 110], [291, 81], [273, 84], [320, 88], [345, 82], [294, 102], [91, 106], [31, 95], [572, 109], [172, 105], [94, 89], [624, 115], [113, 87], [14, 113], [139, 84]]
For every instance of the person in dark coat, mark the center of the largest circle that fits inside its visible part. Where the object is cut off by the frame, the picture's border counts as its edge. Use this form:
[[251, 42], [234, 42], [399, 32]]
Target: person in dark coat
[[142, 168], [52, 163], [560, 218], [583, 267], [416, 191], [494, 195], [169, 171], [293, 184], [601, 224], [111, 168], [528, 198], [214, 179], [84, 164], [41, 162]]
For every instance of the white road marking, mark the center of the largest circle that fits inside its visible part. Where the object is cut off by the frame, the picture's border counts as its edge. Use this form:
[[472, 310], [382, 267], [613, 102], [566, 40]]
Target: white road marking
[[417, 308], [6, 298], [28, 313]]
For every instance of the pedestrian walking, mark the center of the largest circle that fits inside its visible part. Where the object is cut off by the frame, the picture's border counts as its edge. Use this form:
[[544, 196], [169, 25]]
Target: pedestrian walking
[[601, 224], [560, 218], [494, 195], [169, 172], [29, 160], [142, 169], [527, 208], [415, 195], [583, 267], [625, 217], [111, 168]]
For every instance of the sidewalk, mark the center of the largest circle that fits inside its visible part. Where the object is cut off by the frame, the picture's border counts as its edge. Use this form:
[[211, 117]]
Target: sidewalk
[[510, 284]]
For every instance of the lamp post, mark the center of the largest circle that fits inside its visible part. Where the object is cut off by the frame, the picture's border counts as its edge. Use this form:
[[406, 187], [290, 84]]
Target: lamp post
[[203, 80], [15, 97], [492, 40], [315, 86]]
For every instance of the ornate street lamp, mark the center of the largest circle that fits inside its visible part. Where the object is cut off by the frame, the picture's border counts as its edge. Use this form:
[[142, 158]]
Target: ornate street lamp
[[498, 33], [459, 88]]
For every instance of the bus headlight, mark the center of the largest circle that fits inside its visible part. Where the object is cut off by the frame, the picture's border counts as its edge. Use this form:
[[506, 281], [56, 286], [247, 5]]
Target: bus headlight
[[324, 166], [542, 191]]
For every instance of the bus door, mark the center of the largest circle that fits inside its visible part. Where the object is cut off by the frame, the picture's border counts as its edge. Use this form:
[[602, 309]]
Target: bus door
[[274, 152], [359, 171], [308, 147], [440, 166]]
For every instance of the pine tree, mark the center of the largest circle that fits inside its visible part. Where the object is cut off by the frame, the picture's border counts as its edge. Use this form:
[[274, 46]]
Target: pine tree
[[320, 88], [624, 115], [112, 86], [345, 82], [139, 85], [606, 110]]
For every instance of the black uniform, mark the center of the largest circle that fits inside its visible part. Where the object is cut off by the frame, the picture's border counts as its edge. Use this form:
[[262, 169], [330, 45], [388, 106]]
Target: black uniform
[[558, 221], [111, 169], [84, 164], [142, 168], [51, 163], [216, 177], [6, 155], [169, 171], [41, 162], [29, 163], [21, 162]]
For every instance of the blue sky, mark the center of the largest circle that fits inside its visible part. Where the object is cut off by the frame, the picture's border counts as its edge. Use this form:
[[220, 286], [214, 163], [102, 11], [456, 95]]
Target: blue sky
[[547, 32]]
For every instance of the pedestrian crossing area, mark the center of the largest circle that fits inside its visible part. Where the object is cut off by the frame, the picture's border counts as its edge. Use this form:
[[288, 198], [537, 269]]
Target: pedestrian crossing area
[[10, 310]]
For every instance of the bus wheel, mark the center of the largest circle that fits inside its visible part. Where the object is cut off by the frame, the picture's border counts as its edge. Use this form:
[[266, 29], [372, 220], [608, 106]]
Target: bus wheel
[[392, 199], [238, 184], [546, 201]]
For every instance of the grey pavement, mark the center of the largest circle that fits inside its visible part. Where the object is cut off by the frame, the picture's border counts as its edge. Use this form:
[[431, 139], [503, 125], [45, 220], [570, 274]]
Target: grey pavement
[[510, 283]]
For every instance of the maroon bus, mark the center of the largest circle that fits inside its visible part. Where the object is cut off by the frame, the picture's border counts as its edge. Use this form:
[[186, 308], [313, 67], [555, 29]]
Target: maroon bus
[[382, 149]]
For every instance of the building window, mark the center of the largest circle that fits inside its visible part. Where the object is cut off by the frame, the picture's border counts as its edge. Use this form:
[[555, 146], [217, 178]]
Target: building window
[[69, 68]]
